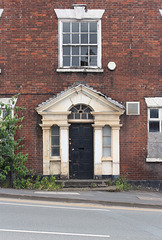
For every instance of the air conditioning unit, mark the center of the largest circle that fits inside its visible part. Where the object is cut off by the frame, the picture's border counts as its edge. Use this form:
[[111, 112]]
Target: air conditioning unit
[[132, 108]]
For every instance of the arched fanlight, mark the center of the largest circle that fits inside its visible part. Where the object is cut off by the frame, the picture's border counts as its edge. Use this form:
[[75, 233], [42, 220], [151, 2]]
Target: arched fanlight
[[80, 111]]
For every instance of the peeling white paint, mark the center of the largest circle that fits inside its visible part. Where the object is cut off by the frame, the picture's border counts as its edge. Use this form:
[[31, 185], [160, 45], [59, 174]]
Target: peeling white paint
[[1, 11]]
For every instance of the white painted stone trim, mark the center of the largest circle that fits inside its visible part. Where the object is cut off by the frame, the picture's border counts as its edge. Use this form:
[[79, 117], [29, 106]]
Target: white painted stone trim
[[41, 109], [153, 159], [97, 150], [154, 102], [160, 10], [105, 112], [1, 11], [79, 13], [80, 70], [7, 101]]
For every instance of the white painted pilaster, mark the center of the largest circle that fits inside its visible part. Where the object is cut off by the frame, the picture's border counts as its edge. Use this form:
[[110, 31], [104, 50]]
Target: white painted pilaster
[[46, 150], [64, 150], [115, 151], [97, 150]]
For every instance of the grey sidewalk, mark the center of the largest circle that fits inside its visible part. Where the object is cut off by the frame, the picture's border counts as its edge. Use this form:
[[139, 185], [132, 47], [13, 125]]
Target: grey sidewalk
[[142, 199]]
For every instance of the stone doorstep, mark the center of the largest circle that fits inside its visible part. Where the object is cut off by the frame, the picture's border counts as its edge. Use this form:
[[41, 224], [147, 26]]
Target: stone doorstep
[[93, 184], [75, 189]]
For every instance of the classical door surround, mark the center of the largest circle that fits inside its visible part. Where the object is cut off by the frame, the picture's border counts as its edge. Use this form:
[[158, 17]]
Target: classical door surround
[[105, 112]]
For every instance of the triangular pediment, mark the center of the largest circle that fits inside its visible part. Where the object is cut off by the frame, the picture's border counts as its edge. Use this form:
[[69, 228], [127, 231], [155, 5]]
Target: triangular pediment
[[80, 94]]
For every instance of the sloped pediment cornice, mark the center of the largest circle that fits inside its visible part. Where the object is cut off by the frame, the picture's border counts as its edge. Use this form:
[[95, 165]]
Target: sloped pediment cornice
[[78, 95]]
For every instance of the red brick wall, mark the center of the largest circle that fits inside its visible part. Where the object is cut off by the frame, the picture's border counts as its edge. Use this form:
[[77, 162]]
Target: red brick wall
[[131, 32]]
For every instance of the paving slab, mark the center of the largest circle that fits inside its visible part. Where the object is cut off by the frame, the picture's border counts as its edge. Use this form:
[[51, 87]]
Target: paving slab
[[142, 199]]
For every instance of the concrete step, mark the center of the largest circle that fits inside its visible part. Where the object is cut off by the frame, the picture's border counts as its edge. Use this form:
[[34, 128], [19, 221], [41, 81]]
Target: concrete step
[[86, 183]]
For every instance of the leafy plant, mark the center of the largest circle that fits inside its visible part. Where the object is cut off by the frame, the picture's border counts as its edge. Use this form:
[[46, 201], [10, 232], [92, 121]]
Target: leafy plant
[[12, 161], [122, 184], [44, 183]]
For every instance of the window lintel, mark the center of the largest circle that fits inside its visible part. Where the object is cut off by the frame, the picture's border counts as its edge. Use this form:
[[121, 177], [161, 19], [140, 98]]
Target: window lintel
[[83, 13]]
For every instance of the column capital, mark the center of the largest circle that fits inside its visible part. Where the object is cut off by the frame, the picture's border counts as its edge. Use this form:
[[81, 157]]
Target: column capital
[[45, 126], [97, 126], [64, 126], [116, 127]]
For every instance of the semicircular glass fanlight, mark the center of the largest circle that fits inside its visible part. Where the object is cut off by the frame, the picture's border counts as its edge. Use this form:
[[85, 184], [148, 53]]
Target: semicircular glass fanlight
[[80, 111]]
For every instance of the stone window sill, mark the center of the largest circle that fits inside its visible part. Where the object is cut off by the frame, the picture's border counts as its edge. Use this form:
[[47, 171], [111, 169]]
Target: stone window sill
[[84, 70], [55, 159], [106, 159], [154, 160]]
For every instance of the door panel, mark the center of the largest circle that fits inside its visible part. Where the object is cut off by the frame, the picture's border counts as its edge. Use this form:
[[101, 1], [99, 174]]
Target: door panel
[[81, 151]]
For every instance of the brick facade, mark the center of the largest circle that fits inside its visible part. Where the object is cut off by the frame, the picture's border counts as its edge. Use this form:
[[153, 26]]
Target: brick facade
[[131, 37]]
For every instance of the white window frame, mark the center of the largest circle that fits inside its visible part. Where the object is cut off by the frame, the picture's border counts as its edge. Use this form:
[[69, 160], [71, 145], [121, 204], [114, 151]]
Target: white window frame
[[7, 101], [159, 119], [106, 146], [79, 13], [154, 103], [2, 113], [55, 146]]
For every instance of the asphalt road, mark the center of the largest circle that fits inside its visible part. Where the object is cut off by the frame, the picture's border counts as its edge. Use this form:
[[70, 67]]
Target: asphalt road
[[36, 220]]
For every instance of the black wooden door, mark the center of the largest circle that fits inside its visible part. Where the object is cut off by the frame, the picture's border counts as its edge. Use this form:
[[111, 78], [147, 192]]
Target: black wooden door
[[81, 151]]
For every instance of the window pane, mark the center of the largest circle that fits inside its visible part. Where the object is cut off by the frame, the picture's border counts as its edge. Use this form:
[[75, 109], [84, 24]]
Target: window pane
[[77, 107], [84, 116], [90, 116], [88, 110], [75, 50], [154, 126], [55, 130], [66, 50], [55, 151], [106, 152], [66, 61], [84, 61], [106, 131], [75, 61], [75, 38], [84, 50], [93, 38], [74, 109], [75, 27], [66, 38], [4, 113], [66, 27], [106, 141], [70, 116], [84, 38], [93, 50], [84, 27], [77, 116], [154, 113], [93, 61], [55, 140], [83, 107], [93, 27]]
